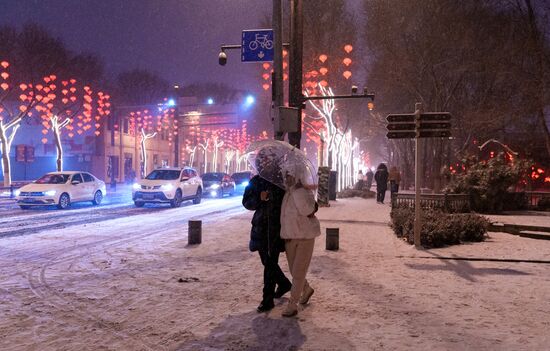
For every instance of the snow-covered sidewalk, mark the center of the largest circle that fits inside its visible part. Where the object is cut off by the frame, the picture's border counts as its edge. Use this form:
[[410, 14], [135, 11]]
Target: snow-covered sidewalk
[[375, 293]]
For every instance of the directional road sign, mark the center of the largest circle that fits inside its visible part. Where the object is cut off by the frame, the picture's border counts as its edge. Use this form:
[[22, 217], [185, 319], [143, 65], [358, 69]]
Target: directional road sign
[[406, 134], [426, 116], [401, 135], [432, 125], [407, 117], [257, 45]]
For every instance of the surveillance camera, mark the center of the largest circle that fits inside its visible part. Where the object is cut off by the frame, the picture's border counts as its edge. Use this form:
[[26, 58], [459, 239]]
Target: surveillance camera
[[354, 89], [222, 58]]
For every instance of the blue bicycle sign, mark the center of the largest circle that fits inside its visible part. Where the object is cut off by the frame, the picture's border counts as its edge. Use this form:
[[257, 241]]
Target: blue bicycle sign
[[257, 45]]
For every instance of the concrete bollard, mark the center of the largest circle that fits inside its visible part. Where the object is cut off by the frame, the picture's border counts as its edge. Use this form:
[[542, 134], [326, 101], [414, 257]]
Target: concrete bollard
[[194, 232], [333, 235]]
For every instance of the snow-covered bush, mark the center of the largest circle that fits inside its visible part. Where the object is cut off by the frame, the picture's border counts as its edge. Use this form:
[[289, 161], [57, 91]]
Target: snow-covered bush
[[365, 194], [439, 228]]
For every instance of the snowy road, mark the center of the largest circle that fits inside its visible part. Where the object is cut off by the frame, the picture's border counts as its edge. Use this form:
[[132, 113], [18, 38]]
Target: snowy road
[[14, 221], [55, 264]]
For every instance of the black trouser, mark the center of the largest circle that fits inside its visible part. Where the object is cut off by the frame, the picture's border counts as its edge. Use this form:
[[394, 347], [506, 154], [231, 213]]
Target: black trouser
[[380, 194], [273, 275], [394, 187]]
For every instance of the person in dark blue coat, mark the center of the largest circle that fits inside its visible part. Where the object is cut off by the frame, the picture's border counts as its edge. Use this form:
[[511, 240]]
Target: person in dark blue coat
[[381, 178], [265, 199]]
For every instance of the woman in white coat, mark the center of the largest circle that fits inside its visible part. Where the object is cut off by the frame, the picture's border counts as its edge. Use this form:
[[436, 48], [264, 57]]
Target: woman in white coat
[[299, 228]]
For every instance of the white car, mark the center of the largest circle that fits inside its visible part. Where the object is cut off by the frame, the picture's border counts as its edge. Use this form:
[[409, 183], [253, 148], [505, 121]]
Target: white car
[[173, 185], [61, 189]]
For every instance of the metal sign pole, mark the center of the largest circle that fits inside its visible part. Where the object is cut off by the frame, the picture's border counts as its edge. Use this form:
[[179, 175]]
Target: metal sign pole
[[417, 170], [277, 75]]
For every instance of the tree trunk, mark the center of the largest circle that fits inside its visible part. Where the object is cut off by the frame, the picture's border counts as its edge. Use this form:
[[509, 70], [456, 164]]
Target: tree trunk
[[59, 161], [143, 157], [5, 149], [538, 47], [545, 130]]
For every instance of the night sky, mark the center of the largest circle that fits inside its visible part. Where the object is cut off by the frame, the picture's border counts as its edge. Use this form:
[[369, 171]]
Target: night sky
[[178, 39]]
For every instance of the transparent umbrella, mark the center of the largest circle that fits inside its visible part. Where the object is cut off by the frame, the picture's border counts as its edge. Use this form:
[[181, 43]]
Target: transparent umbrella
[[274, 159]]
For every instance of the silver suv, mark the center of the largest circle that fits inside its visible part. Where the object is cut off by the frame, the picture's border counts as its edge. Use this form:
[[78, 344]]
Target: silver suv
[[172, 185]]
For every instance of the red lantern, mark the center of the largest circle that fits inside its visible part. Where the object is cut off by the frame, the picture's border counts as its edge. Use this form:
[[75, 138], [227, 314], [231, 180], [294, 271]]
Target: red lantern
[[346, 74], [323, 70], [323, 58], [4, 64], [4, 86], [348, 48], [347, 61]]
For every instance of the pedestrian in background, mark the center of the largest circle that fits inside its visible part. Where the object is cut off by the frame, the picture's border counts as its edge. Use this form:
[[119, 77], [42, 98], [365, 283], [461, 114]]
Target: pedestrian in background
[[265, 199], [360, 182], [395, 179], [381, 178], [368, 178], [299, 228]]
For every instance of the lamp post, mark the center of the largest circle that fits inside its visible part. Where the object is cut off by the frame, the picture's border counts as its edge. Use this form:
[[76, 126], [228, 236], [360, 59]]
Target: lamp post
[[177, 136]]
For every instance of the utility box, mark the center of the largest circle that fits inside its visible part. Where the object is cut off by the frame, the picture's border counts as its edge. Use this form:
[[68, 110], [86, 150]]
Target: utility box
[[287, 119]]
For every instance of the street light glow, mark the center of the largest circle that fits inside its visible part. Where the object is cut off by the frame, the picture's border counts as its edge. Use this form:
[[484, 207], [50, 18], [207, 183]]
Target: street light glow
[[171, 103], [210, 101], [249, 101]]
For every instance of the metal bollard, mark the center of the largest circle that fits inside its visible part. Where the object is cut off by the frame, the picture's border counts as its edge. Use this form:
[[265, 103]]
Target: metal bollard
[[333, 235], [194, 232]]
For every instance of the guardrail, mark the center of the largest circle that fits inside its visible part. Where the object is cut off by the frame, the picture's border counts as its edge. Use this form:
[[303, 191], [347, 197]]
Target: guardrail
[[534, 198], [452, 203]]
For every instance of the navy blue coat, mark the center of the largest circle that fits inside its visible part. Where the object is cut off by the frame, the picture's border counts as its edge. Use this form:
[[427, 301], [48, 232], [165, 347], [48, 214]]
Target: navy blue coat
[[381, 178], [265, 234]]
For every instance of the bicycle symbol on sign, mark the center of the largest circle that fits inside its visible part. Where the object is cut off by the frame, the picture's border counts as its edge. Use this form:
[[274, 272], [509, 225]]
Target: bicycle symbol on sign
[[261, 41]]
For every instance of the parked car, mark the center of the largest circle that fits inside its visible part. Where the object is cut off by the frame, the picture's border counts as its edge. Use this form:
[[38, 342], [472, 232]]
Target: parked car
[[61, 189], [218, 184], [172, 185], [241, 180]]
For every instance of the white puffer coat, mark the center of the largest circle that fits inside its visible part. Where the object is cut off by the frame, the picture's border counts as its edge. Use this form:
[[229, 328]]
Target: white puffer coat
[[297, 204]]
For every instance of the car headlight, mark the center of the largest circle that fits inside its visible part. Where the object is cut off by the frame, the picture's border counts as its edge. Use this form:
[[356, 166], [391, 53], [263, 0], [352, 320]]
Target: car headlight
[[166, 187], [49, 193], [245, 183], [213, 193], [17, 192], [215, 186], [136, 186]]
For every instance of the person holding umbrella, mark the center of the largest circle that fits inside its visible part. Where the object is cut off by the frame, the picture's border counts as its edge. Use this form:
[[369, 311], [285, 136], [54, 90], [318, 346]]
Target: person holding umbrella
[[299, 228], [265, 198]]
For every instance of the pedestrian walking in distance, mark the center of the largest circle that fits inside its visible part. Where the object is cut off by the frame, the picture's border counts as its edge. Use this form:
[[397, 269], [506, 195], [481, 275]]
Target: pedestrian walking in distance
[[381, 178], [395, 179], [265, 199], [299, 228], [360, 181], [368, 179]]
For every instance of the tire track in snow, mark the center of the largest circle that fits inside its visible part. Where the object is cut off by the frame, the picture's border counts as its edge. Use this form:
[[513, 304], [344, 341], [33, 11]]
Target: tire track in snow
[[40, 287]]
